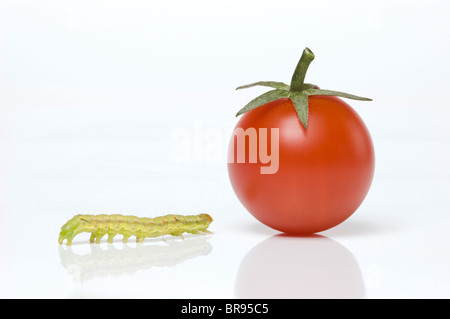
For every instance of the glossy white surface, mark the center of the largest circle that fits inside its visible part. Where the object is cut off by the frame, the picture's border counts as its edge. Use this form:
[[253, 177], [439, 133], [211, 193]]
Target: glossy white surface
[[127, 108]]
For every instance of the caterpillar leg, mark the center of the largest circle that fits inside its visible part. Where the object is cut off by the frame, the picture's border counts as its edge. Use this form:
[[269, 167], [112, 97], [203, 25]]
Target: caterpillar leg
[[125, 238], [178, 233], [110, 238], [69, 241], [97, 236], [67, 235]]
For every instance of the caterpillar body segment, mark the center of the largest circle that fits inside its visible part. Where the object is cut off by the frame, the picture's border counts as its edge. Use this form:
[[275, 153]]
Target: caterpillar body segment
[[127, 226]]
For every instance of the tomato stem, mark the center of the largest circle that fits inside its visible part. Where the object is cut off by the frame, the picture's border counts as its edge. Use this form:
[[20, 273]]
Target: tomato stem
[[298, 92], [298, 77]]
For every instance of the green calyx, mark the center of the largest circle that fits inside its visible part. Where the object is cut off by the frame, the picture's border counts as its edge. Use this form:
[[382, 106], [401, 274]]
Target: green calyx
[[298, 92]]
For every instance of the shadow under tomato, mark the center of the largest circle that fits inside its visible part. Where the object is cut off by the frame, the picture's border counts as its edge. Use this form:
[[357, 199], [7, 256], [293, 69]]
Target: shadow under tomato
[[313, 266]]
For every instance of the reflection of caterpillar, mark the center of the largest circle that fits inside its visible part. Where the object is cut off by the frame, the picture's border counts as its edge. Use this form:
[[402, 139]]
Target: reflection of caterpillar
[[112, 225], [115, 261]]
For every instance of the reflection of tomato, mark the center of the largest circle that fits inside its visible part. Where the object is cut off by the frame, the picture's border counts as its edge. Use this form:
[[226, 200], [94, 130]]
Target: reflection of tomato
[[313, 267], [325, 171]]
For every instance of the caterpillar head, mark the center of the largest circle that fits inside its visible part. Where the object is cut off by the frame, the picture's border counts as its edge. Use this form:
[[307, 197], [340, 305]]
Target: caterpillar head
[[73, 227], [207, 218]]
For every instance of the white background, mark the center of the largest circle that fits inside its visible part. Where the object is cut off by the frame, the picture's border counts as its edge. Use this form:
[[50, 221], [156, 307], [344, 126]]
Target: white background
[[126, 107]]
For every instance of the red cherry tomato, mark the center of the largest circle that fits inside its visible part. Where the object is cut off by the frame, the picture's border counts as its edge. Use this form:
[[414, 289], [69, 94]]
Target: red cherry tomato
[[324, 171]]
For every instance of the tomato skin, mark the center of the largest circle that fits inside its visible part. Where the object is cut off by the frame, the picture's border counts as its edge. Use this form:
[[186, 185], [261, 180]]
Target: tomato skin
[[325, 171]]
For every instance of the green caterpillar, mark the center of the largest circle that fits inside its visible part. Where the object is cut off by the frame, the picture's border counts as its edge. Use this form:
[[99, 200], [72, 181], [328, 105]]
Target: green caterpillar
[[140, 227]]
